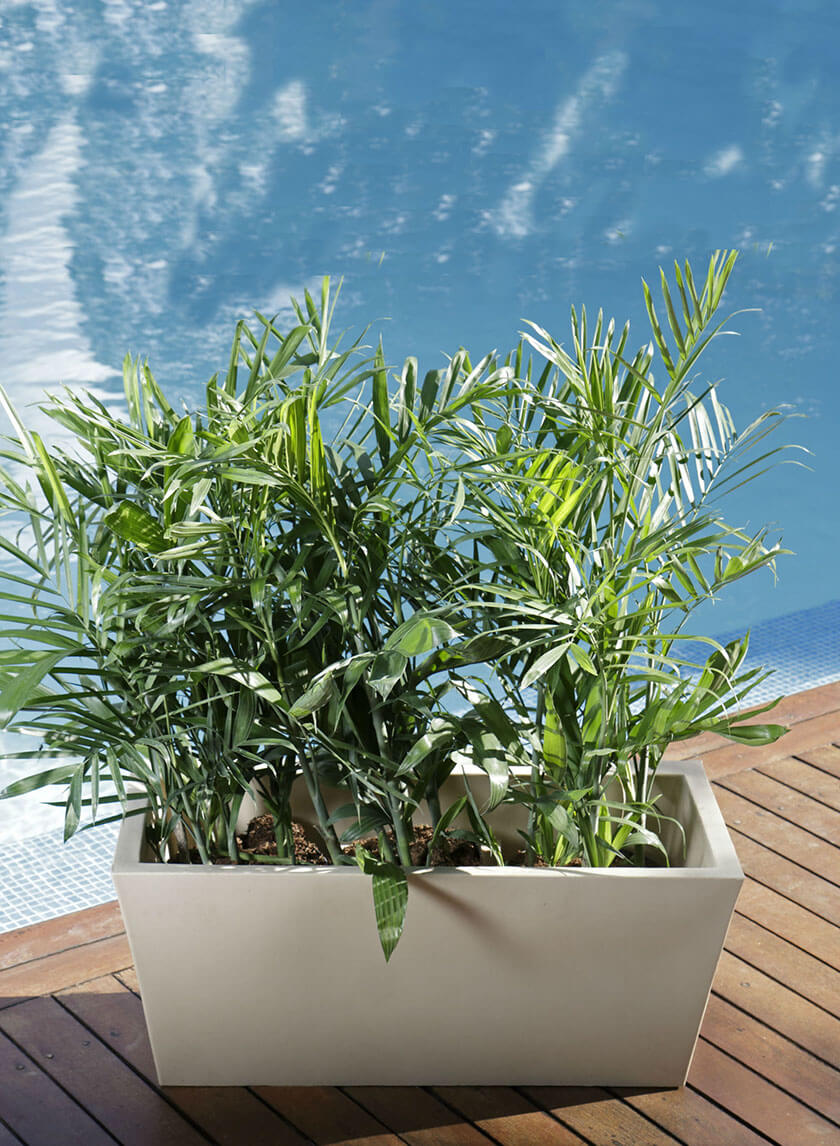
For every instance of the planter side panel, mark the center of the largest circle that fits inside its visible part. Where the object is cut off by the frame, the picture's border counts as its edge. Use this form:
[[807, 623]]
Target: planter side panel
[[547, 980], [504, 976]]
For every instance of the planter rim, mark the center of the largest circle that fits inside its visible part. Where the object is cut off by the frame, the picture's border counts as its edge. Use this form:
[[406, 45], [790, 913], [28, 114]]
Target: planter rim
[[723, 860]]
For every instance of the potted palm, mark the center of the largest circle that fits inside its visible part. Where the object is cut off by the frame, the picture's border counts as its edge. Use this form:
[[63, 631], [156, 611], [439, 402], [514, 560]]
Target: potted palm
[[332, 633]]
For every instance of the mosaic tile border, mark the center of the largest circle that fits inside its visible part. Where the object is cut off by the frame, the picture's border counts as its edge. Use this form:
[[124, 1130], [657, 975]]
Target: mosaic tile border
[[802, 649], [44, 877]]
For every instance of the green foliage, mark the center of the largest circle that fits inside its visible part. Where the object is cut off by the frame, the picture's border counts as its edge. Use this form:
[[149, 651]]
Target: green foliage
[[205, 601], [599, 495]]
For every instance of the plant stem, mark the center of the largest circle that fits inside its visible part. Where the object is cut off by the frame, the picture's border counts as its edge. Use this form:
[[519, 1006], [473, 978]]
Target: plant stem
[[386, 852], [433, 800], [403, 847], [327, 829], [384, 751]]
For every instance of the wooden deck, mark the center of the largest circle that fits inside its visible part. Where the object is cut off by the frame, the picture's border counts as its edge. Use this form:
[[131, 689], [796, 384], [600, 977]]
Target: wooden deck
[[75, 1064]]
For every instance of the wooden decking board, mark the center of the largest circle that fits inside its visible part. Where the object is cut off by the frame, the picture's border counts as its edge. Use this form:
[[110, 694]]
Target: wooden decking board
[[131, 1110], [34, 1105], [807, 779], [68, 967], [7, 1138], [61, 934], [789, 1014], [786, 802], [790, 965], [232, 1115], [769, 1110], [781, 836], [826, 758], [507, 1116], [692, 1118], [774, 1057], [788, 879], [326, 1116], [128, 977], [417, 1116], [792, 710], [764, 1069], [115, 1015], [790, 921], [597, 1116], [736, 758]]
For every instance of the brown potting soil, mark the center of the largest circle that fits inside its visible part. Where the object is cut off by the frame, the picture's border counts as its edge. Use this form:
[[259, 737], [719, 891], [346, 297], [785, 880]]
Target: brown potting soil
[[259, 840], [447, 852]]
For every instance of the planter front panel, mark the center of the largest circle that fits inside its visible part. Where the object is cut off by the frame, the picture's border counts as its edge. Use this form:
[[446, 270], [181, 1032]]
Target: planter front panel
[[503, 976]]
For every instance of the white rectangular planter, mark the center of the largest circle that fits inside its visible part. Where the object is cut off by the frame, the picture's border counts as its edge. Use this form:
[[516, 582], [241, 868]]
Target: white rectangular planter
[[274, 975]]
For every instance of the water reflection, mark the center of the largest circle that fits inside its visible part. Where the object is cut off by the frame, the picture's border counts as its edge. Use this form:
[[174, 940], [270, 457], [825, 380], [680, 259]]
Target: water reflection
[[167, 166], [42, 338], [514, 216]]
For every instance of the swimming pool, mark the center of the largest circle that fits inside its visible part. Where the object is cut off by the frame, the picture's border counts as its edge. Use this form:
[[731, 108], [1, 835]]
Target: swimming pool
[[168, 166]]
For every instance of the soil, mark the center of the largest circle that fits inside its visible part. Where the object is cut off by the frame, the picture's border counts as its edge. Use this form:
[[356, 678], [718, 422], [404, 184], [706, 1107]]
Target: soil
[[447, 852], [259, 840]]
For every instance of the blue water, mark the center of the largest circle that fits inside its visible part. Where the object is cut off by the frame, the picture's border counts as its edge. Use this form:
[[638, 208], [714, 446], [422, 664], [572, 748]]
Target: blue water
[[166, 167]]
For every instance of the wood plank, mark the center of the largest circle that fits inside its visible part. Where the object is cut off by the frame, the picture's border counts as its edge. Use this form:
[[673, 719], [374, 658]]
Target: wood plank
[[34, 1106], [116, 1017], [7, 1138], [804, 705], [790, 1014], [790, 921], [597, 1116], [826, 758], [783, 837], [326, 1116], [758, 1102], [788, 879], [773, 1057], [229, 1114], [507, 1116], [691, 1118], [123, 1103], [128, 976], [807, 779], [787, 803], [780, 960], [232, 1115], [40, 939], [67, 968], [791, 710], [416, 1116], [735, 758]]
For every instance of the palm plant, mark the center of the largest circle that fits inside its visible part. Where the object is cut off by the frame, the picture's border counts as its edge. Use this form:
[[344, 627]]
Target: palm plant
[[231, 598], [599, 490], [328, 578]]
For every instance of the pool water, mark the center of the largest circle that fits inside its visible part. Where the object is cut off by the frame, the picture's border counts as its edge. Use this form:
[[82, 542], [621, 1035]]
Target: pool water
[[167, 167]]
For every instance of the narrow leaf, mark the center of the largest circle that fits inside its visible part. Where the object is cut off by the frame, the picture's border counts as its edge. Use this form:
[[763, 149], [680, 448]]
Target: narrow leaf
[[390, 899]]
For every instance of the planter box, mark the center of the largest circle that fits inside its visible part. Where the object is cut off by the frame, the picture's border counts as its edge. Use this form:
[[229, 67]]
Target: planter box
[[275, 976]]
